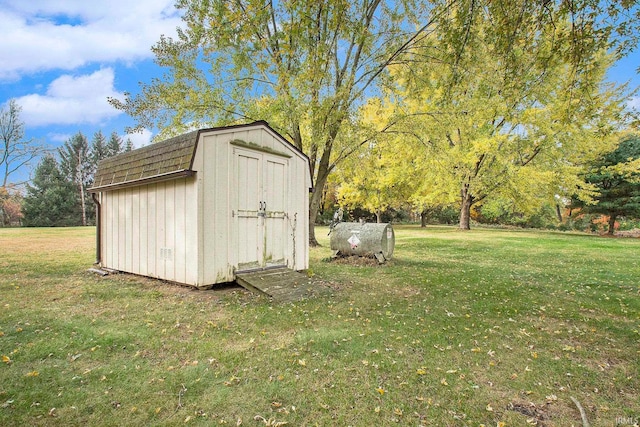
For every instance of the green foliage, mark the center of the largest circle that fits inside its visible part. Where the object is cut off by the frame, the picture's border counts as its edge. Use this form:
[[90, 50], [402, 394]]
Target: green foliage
[[99, 149], [306, 67], [76, 164], [61, 184], [616, 176], [506, 114], [114, 146], [51, 199], [502, 82]]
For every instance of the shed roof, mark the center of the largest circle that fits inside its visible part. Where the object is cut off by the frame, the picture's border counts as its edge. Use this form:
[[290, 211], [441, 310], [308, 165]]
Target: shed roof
[[169, 159], [156, 162]]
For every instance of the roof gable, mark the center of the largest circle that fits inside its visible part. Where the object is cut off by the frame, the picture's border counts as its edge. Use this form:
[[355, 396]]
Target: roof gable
[[169, 159]]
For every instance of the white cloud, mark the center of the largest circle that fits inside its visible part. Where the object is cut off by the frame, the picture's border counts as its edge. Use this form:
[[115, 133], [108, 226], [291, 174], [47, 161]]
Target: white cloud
[[139, 139], [42, 35], [59, 137], [72, 100]]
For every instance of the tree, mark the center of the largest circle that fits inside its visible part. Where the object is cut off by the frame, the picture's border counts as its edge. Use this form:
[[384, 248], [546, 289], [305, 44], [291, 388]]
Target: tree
[[10, 206], [512, 107], [77, 166], [379, 176], [15, 151], [128, 145], [308, 66], [616, 177], [51, 199], [99, 148], [114, 146]]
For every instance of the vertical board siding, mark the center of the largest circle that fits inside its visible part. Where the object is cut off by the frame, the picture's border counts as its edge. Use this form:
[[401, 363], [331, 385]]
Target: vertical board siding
[[143, 231], [160, 230], [191, 232], [170, 231], [147, 230], [152, 246], [121, 229], [180, 233], [187, 230], [135, 230]]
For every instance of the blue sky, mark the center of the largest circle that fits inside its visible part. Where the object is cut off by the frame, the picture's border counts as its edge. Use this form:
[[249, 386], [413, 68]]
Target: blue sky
[[61, 59]]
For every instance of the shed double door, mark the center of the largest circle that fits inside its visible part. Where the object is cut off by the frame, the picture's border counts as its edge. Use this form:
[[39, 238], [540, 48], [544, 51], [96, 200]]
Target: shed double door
[[259, 214]]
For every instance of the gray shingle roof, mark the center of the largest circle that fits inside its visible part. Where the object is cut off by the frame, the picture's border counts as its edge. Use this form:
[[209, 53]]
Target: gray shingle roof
[[166, 159]]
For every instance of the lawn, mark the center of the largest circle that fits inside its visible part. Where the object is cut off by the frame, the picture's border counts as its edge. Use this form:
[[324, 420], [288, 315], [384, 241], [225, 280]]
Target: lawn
[[487, 327]]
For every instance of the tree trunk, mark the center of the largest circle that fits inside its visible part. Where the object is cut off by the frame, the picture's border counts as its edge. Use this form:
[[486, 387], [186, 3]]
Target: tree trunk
[[79, 177], [324, 169], [465, 208], [378, 217], [423, 219], [558, 213], [612, 224], [83, 204], [314, 204]]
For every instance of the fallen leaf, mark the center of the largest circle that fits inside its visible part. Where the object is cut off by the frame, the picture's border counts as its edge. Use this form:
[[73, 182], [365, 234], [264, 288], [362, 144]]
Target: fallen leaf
[[33, 374], [6, 359], [380, 390]]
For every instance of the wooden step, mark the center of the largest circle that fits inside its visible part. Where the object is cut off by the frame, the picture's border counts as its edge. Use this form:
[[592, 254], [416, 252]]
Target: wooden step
[[281, 284]]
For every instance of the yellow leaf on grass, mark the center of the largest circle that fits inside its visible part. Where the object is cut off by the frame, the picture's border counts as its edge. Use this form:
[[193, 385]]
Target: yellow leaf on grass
[[421, 371], [380, 390], [33, 374], [6, 359], [302, 362], [444, 382]]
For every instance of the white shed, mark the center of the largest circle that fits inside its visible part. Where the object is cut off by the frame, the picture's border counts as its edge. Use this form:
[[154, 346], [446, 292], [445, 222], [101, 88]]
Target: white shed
[[199, 208]]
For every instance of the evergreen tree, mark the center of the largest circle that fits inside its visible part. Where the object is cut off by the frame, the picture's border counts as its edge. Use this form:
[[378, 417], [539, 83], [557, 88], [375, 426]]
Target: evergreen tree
[[617, 179], [128, 146], [76, 165], [99, 149], [114, 146], [51, 199]]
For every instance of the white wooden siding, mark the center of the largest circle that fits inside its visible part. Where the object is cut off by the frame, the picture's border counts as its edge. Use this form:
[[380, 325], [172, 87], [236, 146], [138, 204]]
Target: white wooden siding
[[184, 230], [147, 230]]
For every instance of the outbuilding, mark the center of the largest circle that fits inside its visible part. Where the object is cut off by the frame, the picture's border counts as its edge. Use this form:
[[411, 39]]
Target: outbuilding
[[201, 207]]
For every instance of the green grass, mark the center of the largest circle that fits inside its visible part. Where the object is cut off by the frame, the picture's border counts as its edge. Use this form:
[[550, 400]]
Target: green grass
[[460, 328]]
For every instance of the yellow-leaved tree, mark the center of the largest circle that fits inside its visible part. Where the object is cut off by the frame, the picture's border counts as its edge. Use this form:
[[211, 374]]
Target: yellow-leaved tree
[[502, 110]]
